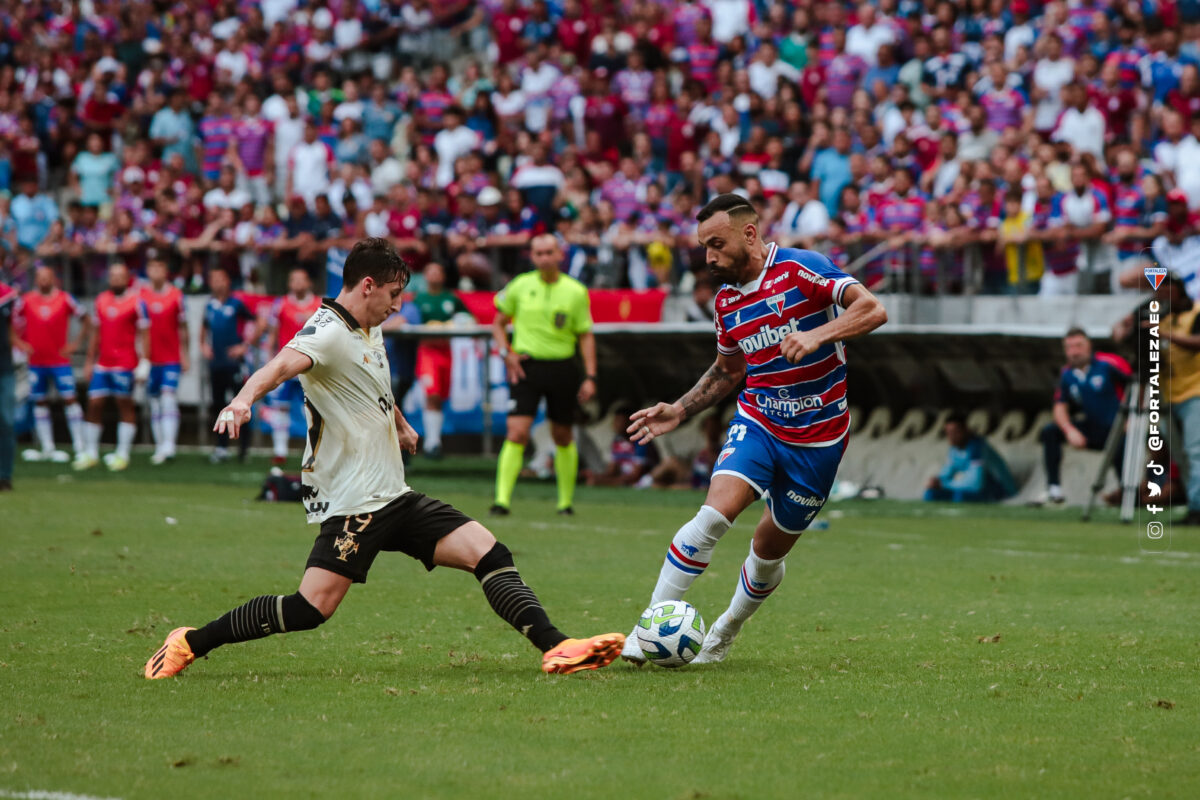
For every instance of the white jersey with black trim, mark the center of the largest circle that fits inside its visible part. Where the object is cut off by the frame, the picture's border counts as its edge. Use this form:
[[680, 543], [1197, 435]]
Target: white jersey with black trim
[[352, 460]]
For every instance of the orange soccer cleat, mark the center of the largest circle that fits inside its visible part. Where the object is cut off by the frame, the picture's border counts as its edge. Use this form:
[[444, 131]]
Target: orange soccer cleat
[[172, 658], [573, 655]]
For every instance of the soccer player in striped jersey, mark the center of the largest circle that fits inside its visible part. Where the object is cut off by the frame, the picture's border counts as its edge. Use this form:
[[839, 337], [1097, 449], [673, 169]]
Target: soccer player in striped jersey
[[778, 326]]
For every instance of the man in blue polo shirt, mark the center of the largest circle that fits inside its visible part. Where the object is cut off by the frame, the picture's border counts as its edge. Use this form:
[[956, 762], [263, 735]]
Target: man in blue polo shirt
[[1086, 401], [223, 346]]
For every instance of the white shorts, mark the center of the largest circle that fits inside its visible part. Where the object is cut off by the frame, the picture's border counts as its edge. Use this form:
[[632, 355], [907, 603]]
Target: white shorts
[[1064, 285]]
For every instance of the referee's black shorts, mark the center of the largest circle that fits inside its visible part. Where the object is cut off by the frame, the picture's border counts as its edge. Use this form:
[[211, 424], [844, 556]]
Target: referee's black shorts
[[556, 380], [412, 524]]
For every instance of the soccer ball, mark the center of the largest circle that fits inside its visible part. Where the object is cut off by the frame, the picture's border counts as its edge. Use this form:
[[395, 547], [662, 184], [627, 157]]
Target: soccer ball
[[670, 633]]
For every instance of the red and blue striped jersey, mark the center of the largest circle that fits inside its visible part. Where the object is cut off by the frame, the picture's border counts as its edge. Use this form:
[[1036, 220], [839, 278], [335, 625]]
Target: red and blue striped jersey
[[801, 404]]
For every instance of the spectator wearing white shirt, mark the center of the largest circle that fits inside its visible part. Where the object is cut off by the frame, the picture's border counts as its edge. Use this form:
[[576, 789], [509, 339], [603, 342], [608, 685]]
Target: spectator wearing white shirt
[[766, 70], [865, 38], [805, 218], [1081, 125], [386, 169], [730, 18], [308, 166], [289, 131], [1166, 151], [233, 60], [1021, 34], [226, 195], [538, 77], [453, 142], [1187, 164], [1051, 73]]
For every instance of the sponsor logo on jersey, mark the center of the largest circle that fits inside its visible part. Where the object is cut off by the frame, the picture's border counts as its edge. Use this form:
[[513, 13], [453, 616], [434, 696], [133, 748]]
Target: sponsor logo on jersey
[[776, 280], [776, 304], [813, 277], [768, 336], [811, 502], [789, 408]]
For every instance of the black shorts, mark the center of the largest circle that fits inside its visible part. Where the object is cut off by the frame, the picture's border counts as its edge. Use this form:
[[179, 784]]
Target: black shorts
[[557, 381], [412, 524]]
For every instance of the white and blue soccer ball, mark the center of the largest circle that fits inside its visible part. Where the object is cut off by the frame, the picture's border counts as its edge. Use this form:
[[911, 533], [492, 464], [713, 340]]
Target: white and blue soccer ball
[[670, 633]]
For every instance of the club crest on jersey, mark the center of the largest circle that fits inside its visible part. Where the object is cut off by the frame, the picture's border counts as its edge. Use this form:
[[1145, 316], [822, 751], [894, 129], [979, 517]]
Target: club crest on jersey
[[726, 453], [775, 303]]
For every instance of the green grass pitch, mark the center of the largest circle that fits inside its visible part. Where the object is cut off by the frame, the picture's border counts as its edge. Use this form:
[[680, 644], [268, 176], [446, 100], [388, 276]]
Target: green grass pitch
[[911, 651]]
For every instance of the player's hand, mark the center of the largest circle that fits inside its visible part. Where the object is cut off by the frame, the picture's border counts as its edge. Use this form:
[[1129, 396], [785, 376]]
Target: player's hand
[[513, 362], [407, 436], [587, 390], [934, 483], [66, 351], [1076, 439], [206, 351], [185, 362], [644, 425], [232, 418], [796, 346], [237, 351]]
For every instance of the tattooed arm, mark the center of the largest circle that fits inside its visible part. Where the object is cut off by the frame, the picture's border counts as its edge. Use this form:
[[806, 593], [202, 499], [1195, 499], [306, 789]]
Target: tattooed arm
[[722, 378]]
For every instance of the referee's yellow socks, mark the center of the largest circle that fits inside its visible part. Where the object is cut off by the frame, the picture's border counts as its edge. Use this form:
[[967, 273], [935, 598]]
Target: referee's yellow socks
[[566, 470], [508, 468]]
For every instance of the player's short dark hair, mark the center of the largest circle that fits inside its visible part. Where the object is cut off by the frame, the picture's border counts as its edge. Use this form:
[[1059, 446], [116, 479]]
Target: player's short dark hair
[[378, 259], [1013, 195], [736, 206], [957, 417], [1076, 331]]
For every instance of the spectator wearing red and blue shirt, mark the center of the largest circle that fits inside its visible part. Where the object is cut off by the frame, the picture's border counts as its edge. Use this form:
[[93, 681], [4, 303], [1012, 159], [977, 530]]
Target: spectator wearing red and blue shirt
[[844, 74], [900, 218], [1006, 106], [216, 132], [1135, 224], [702, 56]]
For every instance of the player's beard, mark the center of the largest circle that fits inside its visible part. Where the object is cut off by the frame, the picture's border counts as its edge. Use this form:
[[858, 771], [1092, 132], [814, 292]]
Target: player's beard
[[737, 264]]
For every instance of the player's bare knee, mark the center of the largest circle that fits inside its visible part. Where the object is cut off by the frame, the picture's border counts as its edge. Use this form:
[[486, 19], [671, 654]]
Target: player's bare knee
[[561, 434]]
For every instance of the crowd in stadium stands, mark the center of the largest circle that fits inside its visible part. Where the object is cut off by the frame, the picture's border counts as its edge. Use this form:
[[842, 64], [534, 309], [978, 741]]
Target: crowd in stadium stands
[[930, 145]]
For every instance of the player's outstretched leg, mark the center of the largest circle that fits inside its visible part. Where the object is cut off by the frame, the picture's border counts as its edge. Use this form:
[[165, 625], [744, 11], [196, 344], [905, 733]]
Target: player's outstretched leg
[[758, 578], [258, 618], [472, 547]]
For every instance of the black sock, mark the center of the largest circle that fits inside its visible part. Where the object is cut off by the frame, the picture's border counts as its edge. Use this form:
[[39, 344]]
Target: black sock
[[262, 616], [513, 601]]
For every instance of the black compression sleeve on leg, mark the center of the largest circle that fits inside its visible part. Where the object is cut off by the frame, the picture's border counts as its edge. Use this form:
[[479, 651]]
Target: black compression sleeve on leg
[[513, 601], [262, 616]]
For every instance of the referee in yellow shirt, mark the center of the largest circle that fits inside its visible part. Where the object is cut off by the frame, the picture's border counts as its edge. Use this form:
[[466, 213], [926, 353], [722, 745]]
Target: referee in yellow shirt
[[551, 314]]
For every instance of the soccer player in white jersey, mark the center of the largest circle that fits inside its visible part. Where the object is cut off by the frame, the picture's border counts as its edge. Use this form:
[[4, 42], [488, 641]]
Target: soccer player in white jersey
[[354, 487], [778, 326]]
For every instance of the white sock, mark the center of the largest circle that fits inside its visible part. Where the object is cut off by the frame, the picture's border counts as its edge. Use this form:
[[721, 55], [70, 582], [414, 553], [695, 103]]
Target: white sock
[[170, 423], [45, 427], [432, 419], [91, 435], [125, 433], [758, 578], [156, 423], [689, 553], [281, 420], [75, 424]]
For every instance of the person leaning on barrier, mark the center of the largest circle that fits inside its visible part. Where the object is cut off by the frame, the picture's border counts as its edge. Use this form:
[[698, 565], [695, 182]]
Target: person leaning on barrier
[[974, 472], [1090, 390]]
